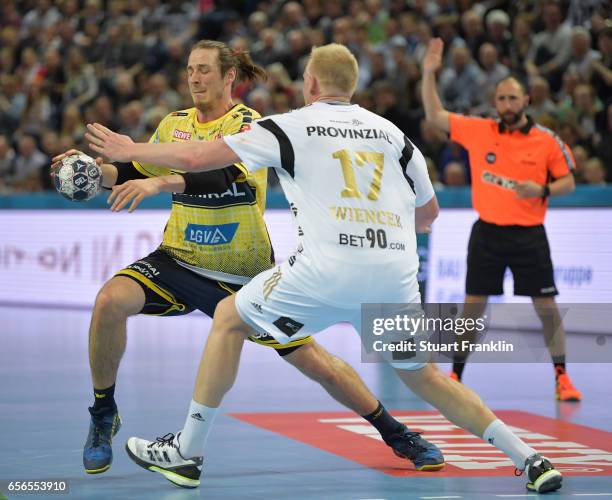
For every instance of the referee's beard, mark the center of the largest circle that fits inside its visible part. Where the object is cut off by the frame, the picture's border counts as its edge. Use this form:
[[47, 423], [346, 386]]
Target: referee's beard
[[510, 119]]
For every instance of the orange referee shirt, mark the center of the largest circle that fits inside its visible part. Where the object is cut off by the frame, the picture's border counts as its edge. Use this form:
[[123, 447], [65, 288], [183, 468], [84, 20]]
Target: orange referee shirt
[[499, 158]]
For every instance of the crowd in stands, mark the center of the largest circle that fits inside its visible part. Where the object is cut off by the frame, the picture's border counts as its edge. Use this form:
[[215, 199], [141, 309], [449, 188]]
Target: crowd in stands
[[65, 63]]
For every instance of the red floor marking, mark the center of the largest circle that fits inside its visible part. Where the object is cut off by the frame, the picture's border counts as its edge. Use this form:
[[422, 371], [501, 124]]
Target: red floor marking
[[576, 450]]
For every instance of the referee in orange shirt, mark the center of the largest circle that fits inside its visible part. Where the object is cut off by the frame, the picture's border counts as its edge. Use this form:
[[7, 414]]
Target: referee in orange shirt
[[516, 165]]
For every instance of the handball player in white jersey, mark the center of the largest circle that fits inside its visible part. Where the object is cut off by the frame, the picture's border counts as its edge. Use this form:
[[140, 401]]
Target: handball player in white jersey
[[353, 181], [358, 189]]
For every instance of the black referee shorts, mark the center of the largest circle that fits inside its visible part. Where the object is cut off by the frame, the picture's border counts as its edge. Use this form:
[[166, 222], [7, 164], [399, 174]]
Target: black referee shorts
[[524, 249]]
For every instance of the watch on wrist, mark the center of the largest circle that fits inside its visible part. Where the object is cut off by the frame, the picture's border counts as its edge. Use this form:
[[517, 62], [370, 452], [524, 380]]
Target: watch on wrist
[[546, 191]]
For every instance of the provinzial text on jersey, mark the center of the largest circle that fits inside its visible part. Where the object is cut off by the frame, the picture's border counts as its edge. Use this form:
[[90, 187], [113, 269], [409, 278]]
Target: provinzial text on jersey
[[348, 133]]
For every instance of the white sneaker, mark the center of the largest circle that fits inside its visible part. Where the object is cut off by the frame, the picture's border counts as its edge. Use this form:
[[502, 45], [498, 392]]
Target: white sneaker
[[163, 456], [541, 474]]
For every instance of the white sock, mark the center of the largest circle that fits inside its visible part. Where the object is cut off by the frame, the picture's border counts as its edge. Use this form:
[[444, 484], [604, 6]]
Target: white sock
[[197, 428], [499, 435]]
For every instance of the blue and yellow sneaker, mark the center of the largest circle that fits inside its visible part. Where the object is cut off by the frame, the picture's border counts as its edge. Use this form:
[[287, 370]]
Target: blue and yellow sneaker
[[98, 452], [411, 446]]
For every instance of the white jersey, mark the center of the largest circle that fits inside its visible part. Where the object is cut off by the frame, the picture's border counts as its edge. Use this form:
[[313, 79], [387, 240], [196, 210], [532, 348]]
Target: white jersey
[[353, 181]]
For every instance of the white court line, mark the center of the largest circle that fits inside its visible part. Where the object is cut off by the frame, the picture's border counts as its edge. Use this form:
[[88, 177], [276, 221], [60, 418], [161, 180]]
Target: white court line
[[441, 497], [592, 494], [516, 496]]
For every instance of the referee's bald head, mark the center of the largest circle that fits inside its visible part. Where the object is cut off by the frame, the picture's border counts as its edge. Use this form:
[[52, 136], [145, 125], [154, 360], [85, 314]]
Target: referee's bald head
[[514, 80]]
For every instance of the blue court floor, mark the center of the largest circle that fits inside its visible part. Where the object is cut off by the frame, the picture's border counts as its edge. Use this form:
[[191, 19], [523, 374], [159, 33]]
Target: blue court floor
[[45, 390]]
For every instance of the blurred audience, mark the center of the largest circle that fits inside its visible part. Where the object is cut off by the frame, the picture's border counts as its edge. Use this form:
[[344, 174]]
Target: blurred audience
[[454, 174], [64, 63]]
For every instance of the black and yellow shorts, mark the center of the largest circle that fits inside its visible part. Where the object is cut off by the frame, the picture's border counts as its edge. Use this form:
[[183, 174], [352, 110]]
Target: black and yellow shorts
[[173, 290]]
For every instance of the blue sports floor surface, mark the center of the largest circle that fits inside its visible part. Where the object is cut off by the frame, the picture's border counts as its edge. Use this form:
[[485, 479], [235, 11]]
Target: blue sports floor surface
[[314, 452]]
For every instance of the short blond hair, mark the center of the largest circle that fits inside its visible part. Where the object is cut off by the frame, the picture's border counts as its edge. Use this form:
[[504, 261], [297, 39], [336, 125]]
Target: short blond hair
[[335, 68]]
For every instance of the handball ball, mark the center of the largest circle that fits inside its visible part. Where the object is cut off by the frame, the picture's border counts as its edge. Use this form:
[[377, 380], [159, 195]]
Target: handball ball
[[78, 178]]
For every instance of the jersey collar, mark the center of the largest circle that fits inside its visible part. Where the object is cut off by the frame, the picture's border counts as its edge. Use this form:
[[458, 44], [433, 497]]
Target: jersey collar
[[333, 103], [214, 122], [336, 103], [523, 130]]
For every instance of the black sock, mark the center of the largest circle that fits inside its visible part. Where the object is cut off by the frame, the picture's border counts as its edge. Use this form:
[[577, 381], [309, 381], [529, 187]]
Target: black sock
[[384, 423], [458, 366], [104, 399], [559, 363]]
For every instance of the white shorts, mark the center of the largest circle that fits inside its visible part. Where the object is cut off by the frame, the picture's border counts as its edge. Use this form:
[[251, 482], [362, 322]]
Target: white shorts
[[271, 304]]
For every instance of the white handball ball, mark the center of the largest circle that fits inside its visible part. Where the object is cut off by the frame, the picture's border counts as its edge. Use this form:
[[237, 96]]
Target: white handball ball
[[78, 178]]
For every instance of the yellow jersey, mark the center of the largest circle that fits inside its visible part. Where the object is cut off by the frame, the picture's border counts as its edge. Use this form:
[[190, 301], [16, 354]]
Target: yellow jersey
[[222, 235]]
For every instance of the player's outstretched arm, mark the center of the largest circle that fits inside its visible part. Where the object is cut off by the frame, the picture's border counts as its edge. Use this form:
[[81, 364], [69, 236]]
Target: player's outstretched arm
[[434, 111], [109, 171], [194, 156], [136, 190]]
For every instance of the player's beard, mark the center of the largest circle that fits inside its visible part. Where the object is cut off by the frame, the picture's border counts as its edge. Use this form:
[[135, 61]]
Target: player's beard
[[510, 119]]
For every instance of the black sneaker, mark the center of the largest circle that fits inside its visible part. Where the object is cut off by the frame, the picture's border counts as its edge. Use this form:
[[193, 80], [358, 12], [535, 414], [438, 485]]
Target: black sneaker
[[541, 474], [412, 446]]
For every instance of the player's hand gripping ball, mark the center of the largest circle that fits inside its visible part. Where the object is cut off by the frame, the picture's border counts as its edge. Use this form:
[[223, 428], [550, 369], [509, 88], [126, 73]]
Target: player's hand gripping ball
[[78, 178]]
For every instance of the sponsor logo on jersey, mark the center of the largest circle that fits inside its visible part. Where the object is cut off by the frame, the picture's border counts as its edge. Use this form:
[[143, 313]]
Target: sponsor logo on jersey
[[239, 193], [498, 180], [181, 135], [179, 113], [245, 127], [366, 216], [348, 133], [220, 234]]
